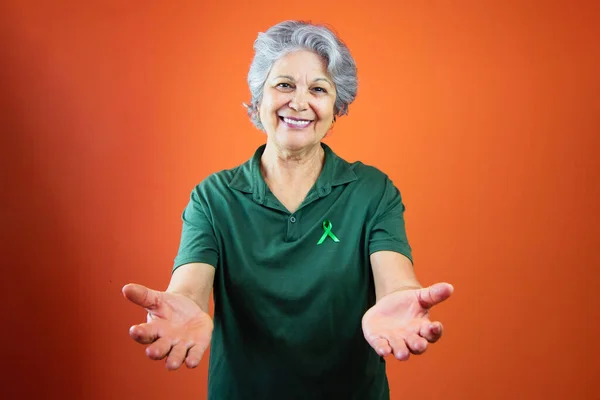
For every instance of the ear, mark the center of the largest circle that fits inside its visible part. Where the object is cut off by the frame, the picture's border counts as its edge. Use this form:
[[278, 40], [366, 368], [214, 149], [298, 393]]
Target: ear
[[330, 130], [257, 112]]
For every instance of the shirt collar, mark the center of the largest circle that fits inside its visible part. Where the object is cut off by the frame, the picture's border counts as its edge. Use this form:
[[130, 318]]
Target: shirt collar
[[335, 172]]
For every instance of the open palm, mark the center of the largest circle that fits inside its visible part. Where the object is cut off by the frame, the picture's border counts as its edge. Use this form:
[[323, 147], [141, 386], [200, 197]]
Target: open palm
[[399, 323], [176, 326]]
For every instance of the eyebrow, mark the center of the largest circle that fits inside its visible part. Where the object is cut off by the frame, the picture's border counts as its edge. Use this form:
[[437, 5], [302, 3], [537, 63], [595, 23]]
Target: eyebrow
[[316, 80]]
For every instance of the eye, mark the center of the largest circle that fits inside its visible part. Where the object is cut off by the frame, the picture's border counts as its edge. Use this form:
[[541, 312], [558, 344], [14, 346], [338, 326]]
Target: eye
[[320, 90], [284, 85]]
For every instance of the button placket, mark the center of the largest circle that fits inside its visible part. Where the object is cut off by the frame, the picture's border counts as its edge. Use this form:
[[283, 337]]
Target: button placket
[[293, 226]]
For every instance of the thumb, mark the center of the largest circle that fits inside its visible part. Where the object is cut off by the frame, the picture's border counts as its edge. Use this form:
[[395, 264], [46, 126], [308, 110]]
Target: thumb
[[435, 294], [141, 295]]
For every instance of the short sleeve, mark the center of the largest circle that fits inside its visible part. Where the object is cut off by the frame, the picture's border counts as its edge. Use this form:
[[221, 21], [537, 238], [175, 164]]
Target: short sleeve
[[388, 230], [198, 242]]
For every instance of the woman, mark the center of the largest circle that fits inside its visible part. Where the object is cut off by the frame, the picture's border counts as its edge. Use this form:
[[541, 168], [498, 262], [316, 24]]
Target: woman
[[307, 253]]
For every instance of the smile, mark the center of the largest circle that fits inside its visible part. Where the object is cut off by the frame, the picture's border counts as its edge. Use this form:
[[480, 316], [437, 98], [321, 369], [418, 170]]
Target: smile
[[295, 123]]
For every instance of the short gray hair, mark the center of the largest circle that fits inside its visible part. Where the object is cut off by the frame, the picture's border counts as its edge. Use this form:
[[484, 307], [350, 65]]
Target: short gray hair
[[289, 36]]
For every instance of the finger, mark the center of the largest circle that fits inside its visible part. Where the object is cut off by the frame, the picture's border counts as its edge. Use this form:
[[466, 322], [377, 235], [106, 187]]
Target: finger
[[194, 355], [159, 349], [416, 344], [141, 295], [176, 356], [431, 331], [145, 333], [399, 349], [382, 347], [434, 294]]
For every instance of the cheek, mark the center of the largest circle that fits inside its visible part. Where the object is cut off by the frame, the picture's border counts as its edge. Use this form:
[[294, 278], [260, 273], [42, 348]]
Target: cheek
[[275, 100], [325, 112]]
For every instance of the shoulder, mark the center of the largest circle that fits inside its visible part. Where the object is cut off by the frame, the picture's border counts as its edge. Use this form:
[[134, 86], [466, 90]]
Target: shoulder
[[376, 187], [218, 184], [369, 177], [220, 179], [371, 186], [366, 172]]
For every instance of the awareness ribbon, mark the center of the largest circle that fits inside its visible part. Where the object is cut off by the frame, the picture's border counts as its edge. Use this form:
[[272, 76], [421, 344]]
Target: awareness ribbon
[[327, 225]]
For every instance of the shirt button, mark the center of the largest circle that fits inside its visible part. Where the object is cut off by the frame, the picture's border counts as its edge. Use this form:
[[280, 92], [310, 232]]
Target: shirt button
[[292, 219]]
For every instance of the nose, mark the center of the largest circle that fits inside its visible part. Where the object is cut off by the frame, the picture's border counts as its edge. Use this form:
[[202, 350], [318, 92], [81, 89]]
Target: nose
[[299, 101]]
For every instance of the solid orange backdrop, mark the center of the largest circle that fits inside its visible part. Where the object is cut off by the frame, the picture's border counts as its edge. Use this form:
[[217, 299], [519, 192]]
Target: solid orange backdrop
[[485, 114]]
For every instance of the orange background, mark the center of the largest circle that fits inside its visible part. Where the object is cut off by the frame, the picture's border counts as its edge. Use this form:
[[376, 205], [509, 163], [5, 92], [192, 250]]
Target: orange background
[[485, 114]]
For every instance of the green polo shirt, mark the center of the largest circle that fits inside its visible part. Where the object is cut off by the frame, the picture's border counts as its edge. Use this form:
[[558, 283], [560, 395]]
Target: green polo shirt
[[288, 296]]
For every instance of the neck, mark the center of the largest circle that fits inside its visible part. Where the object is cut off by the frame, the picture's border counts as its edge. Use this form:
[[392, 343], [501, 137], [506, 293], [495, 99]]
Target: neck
[[293, 168]]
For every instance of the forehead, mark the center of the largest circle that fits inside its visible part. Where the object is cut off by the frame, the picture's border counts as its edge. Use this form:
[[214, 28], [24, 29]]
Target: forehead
[[299, 64]]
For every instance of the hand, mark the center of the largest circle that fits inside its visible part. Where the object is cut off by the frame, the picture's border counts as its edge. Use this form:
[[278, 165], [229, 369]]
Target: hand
[[176, 326], [399, 322]]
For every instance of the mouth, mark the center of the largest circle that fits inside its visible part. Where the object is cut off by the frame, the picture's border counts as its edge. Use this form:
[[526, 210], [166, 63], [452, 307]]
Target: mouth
[[295, 123]]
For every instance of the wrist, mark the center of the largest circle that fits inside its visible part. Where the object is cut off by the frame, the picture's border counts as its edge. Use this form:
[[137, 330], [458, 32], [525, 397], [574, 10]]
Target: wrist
[[400, 288], [192, 296]]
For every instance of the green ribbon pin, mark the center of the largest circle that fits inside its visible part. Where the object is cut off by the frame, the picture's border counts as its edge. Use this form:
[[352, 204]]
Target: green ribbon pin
[[327, 225]]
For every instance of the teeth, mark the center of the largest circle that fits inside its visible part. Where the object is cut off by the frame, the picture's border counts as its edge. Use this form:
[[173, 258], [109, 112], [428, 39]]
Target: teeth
[[294, 122]]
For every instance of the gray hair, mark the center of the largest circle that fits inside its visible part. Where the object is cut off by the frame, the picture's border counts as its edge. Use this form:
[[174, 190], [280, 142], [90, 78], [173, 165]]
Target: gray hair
[[289, 36]]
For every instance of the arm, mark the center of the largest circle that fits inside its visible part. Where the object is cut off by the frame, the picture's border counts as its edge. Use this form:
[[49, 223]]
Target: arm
[[399, 322], [194, 267], [178, 325], [392, 272], [194, 280]]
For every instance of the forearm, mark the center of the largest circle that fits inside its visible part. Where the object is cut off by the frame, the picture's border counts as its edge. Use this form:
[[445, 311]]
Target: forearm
[[392, 272], [194, 281]]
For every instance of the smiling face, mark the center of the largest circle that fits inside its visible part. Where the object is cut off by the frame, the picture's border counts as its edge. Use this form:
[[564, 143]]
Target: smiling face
[[297, 107]]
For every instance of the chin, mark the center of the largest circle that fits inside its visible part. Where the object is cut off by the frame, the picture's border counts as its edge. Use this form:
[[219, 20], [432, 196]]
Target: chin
[[294, 146], [296, 141]]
